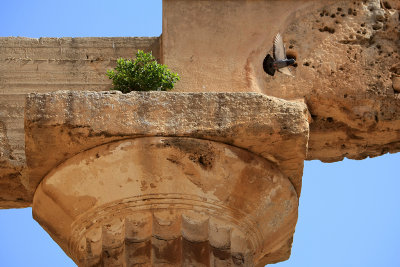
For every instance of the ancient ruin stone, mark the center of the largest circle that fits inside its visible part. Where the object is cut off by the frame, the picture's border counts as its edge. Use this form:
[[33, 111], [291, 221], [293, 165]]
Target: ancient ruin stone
[[187, 163], [167, 196], [200, 178], [43, 65], [63, 124], [344, 66], [347, 84], [353, 116]]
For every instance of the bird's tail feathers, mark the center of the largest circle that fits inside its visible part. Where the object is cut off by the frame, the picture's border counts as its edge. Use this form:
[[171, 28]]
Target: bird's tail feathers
[[268, 65]]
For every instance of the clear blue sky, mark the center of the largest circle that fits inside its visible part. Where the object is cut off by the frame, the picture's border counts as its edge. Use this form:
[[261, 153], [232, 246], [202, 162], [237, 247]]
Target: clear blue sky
[[349, 212]]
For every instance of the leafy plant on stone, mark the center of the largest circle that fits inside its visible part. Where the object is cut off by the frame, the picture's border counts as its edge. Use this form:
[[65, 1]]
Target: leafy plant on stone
[[142, 74]]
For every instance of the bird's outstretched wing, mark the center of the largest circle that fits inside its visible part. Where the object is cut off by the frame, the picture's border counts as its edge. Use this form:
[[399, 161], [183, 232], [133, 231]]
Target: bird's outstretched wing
[[286, 71], [279, 48]]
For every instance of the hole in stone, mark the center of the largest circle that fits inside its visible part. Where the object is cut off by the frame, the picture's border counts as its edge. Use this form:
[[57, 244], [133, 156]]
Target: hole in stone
[[327, 29], [387, 5], [291, 54], [350, 11], [329, 119]]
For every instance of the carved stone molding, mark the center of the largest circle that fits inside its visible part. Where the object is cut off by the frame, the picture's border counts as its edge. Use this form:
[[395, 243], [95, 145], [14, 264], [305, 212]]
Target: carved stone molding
[[168, 200]]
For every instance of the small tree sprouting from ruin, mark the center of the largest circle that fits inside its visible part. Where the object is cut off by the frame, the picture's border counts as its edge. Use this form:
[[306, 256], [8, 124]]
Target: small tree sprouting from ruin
[[142, 74]]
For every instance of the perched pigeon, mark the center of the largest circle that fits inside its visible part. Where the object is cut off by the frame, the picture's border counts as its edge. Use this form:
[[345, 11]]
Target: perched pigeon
[[279, 62]]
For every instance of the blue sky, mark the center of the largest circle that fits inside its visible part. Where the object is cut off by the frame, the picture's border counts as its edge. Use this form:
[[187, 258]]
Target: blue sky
[[349, 213]]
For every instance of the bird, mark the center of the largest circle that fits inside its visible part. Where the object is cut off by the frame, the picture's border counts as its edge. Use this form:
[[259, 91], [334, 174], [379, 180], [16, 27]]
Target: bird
[[279, 62]]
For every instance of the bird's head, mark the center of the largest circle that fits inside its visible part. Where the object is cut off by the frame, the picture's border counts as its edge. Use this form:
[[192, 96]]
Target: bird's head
[[291, 61]]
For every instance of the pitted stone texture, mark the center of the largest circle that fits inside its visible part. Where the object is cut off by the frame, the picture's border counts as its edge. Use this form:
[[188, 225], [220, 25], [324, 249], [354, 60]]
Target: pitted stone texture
[[63, 124], [346, 72], [347, 55], [168, 200]]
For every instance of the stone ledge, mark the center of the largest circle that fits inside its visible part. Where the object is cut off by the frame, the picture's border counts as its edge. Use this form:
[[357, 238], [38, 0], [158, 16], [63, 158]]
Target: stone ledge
[[61, 124]]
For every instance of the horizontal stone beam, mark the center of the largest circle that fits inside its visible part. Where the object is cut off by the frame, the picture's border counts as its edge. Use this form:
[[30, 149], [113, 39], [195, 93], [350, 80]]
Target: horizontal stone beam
[[61, 124]]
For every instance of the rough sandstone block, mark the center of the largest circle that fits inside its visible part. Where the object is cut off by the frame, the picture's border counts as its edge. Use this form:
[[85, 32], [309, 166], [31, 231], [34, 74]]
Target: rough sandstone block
[[345, 63], [168, 196], [189, 164], [43, 65], [62, 124]]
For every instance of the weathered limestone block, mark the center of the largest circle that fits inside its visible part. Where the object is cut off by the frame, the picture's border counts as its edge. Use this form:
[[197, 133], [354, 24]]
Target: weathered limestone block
[[347, 63], [161, 200], [345, 72], [48, 64], [13, 182], [67, 123], [353, 116], [167, 178]]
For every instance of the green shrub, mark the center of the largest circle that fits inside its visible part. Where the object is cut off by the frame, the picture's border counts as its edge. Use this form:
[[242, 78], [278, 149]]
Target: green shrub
[[142, 74]]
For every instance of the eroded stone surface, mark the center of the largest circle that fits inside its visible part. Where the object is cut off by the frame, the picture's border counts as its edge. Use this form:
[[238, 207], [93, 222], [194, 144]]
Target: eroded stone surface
[[347, 71], [176, 200], [63, 124], [48, 64], [354, 116], [42, 65], [347, 63]]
